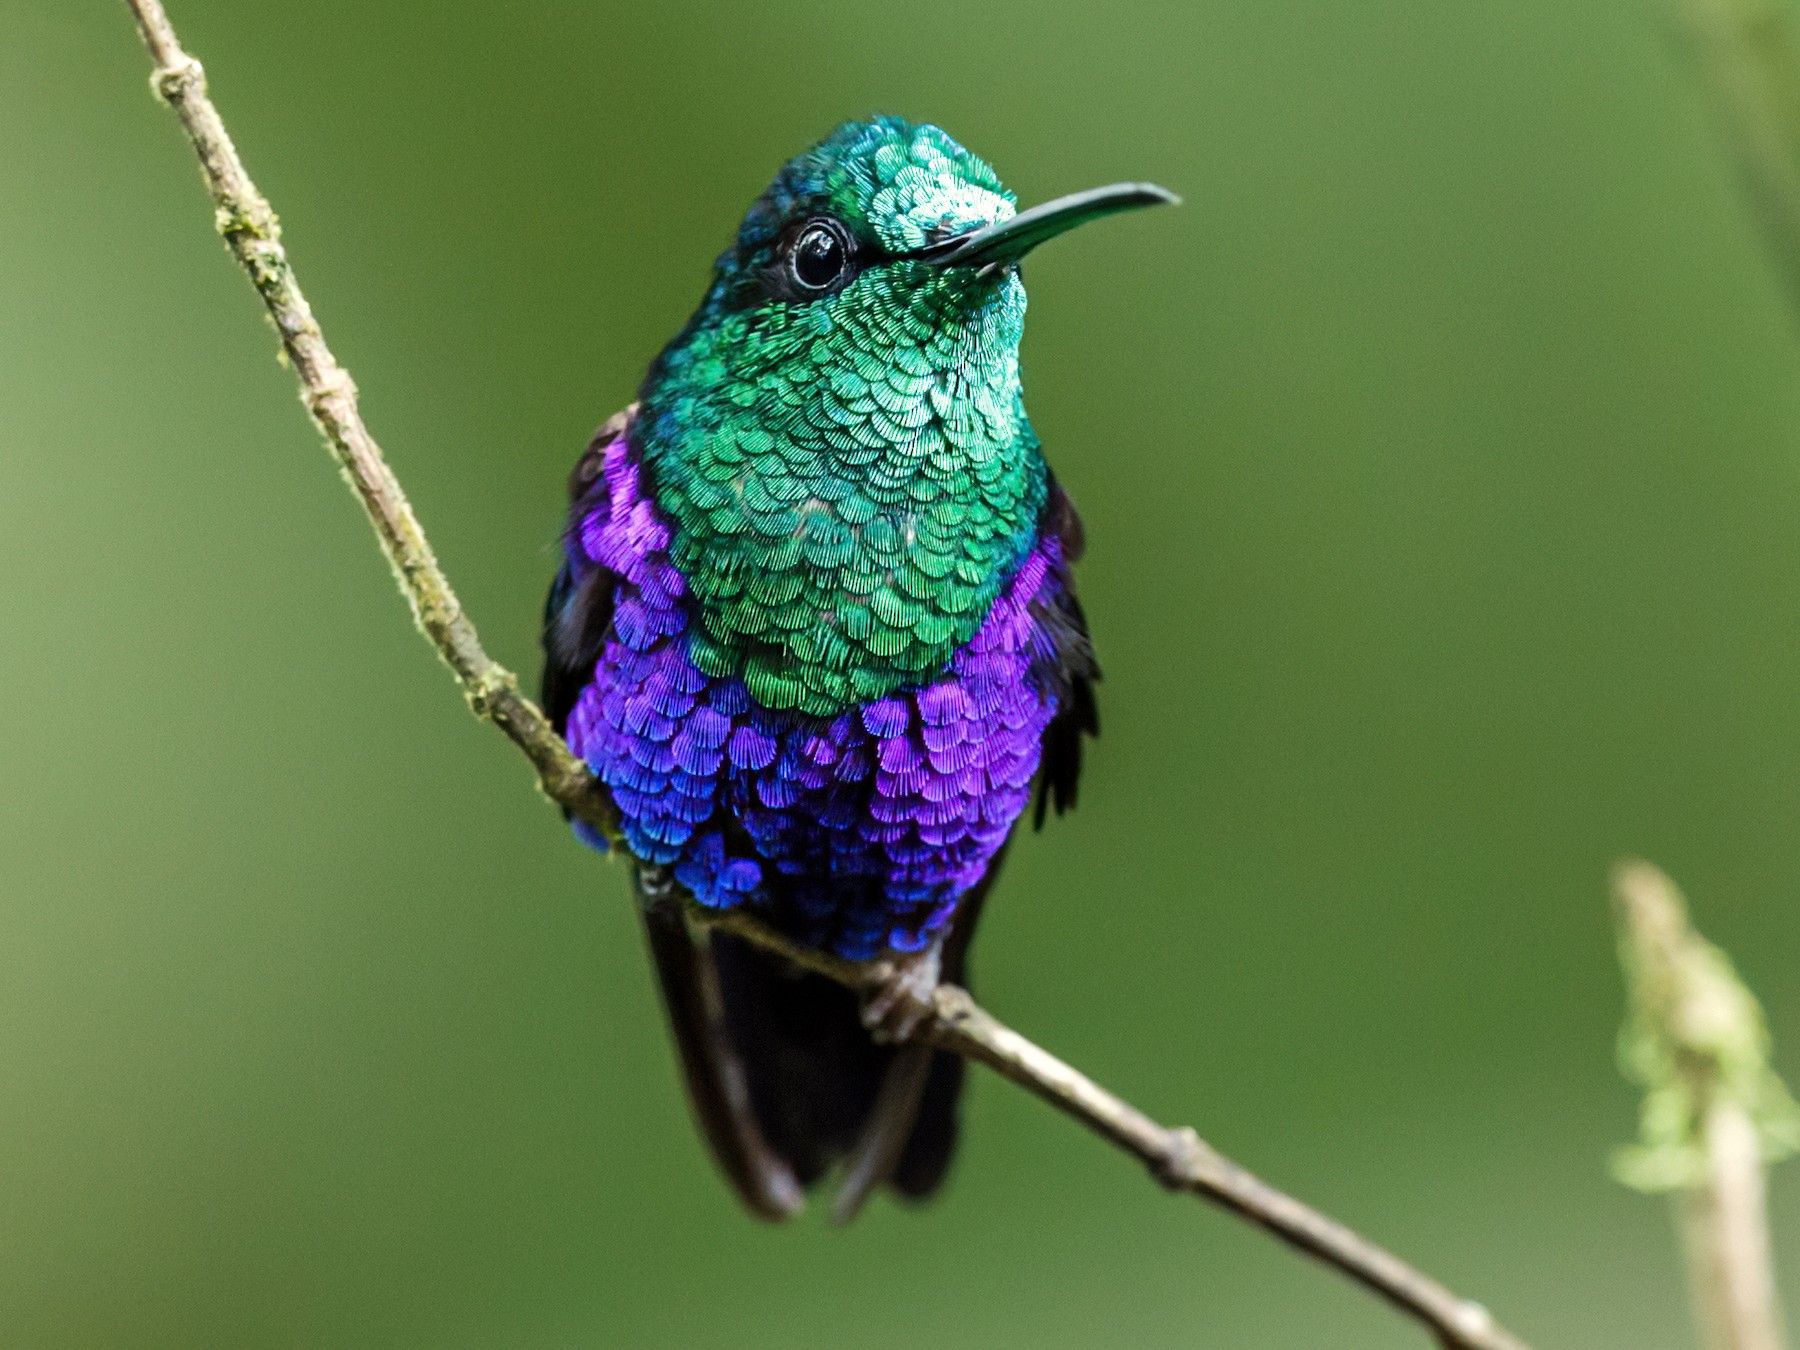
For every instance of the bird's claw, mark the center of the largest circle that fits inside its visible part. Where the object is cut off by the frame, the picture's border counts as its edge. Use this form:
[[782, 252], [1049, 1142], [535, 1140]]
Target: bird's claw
[[893, 1011]]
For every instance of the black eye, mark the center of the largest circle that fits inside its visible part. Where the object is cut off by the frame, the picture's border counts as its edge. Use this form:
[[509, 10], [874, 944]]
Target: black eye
[[820, 255]]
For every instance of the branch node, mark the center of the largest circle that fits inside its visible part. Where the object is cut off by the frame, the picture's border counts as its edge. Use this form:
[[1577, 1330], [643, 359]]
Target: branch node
[[1473, 1322], [254, 219], [952, 1006], [1184, 1160], [487, 689], [173, 82], [328, 388]]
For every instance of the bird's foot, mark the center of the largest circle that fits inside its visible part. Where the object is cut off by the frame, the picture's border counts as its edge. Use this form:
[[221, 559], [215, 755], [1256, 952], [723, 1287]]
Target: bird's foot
[[896, 1006]]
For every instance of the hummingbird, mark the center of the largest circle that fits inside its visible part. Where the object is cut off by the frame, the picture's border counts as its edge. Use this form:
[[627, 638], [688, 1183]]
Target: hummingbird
[[816, 633]]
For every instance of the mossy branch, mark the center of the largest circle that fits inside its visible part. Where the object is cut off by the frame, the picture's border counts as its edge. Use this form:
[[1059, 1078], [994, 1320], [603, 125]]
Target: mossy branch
[[1714, 1112], [1178, 1158]]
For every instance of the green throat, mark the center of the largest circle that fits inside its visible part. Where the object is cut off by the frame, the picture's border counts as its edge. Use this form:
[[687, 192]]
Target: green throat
[[850, 476]]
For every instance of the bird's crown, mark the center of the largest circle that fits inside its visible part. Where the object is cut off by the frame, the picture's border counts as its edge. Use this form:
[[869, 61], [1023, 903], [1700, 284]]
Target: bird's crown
[[896, 187]]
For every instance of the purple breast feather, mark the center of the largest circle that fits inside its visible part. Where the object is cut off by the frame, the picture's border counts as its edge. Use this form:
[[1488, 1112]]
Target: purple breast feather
[[856, 833]]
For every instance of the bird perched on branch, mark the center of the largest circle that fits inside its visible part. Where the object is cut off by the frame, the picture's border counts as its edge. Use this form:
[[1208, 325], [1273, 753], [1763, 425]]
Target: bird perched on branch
[[816, 633]]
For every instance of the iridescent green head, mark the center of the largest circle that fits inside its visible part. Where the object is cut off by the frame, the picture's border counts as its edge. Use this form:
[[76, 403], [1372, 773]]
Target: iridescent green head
[[838, 435]]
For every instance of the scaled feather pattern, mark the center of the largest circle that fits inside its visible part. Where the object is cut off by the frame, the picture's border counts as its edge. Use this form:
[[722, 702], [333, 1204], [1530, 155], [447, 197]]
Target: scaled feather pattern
[[859, 830], [816, 634], [850, 480]]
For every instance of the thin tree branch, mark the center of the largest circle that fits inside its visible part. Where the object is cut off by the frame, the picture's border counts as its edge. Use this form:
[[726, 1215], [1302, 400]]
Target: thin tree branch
[[1714, 1112], [1725, 1231], [1176, 1157], [252, 230]]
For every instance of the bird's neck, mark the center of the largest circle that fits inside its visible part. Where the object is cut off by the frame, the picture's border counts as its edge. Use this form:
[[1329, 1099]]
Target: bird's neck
[[846, 499]]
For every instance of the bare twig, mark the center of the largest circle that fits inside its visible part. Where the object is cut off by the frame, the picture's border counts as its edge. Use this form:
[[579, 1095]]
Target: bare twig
[[1176, 1157], [1714, 1112], [250, 227]]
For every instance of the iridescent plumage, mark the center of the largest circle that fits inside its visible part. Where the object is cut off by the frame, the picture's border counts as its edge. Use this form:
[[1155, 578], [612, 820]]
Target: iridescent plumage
[[850, 479], [816, 633], [858, 830]]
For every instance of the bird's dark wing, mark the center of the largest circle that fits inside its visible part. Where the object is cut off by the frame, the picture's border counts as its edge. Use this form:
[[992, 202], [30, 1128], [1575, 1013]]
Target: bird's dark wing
[[719, 1088], [577, 614], [577, 619], [1066, 664], [578, 610]]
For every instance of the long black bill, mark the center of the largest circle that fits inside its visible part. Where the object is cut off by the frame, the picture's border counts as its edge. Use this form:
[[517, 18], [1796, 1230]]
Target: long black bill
[[1009, 240]]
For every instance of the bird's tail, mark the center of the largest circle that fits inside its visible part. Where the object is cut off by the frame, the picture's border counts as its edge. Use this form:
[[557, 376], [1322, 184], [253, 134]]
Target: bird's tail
[[787, 1085]]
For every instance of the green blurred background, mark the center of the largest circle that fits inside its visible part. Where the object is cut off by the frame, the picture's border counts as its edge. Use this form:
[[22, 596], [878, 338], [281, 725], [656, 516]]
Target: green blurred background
[[1439, 465]]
